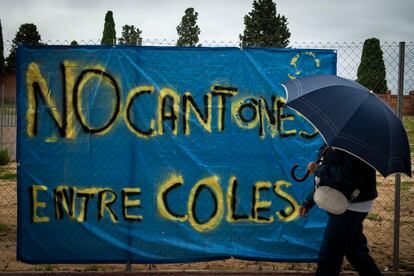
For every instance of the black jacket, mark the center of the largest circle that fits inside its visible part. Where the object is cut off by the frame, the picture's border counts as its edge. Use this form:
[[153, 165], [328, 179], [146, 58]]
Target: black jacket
[[345, 172]]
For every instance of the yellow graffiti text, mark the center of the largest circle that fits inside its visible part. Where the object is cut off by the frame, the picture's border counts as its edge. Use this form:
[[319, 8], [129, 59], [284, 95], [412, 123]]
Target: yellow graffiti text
[[79, 204], [172, 113], [260, 210]]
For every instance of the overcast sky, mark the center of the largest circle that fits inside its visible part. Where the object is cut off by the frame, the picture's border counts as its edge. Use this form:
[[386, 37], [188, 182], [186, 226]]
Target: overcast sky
[[219, 20]]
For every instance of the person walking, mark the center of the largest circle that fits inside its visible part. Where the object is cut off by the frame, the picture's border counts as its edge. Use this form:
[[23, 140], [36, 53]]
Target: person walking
[[344, 234]]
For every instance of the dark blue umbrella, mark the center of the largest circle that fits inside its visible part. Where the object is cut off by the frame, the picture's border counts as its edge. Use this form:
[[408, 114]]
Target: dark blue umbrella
[[352, 118]]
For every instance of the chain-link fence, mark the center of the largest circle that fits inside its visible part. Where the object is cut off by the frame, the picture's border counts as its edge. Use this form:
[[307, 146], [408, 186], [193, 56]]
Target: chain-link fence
[[381, 228]]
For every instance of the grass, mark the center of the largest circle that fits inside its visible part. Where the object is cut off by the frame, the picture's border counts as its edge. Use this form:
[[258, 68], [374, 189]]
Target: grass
[[9, 103], [408, 122], [406, 186], [46, 267], [94, 268], [4, 228], [4, 157], [374, 217], [8, 176]]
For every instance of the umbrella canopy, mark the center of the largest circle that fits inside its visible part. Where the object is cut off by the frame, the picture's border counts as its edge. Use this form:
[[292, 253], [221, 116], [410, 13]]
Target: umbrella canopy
[[352, 118]]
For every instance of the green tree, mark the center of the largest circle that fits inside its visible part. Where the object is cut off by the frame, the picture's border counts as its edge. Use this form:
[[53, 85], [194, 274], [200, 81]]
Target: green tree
[[2, 63], [109, 33], [264, 27], [27, 35], [130, 35], [188, 29], [371, 70], [74, 43]]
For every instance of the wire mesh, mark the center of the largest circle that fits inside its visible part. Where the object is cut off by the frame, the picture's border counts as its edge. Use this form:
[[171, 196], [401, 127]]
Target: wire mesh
[[378, 226]]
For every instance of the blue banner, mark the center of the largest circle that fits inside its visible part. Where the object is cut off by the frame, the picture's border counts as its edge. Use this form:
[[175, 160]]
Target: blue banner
[[163, 154]]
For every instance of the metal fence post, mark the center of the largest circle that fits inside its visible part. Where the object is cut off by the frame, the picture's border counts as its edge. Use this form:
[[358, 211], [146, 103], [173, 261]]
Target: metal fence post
[[396, 249], [2, 115], [128, 266]]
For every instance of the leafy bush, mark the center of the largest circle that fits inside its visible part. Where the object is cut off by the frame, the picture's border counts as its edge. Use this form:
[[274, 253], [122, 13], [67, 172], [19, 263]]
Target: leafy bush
[[4, 157]]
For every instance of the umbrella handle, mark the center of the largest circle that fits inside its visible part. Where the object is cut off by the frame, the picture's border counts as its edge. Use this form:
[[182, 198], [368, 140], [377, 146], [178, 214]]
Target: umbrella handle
[[299, 179]]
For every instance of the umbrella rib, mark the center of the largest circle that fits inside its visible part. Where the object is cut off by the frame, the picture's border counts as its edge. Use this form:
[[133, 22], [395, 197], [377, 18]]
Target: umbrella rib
[[389, 127], [394, 159], [363, 144], [333, 128], [300, 87], [357, 156], [325, 118]]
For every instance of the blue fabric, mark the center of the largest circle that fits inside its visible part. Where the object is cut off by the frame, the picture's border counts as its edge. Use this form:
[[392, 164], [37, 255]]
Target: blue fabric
[[163, 154], [344, 237], [351, 118]]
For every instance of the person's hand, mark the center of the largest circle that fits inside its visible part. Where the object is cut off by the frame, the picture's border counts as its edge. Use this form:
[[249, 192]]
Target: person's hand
[[312, 167], [303, 211]]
